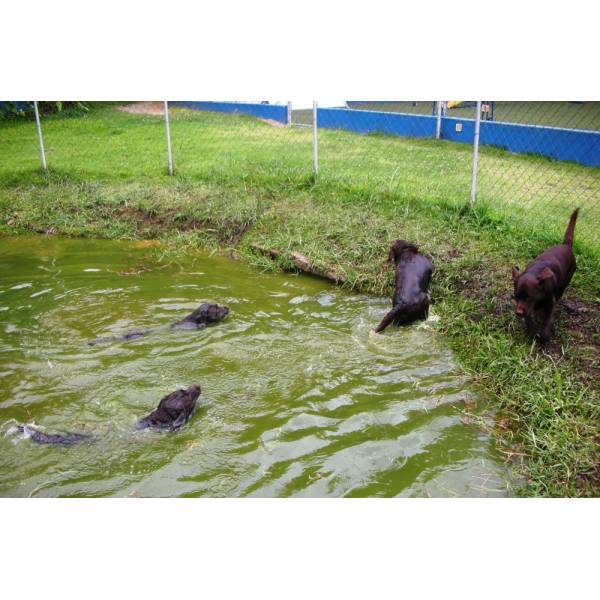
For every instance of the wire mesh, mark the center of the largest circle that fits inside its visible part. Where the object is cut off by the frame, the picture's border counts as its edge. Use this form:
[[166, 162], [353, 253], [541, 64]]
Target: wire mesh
[[233, 146], [533, 184], [537, 160], [392, 147]]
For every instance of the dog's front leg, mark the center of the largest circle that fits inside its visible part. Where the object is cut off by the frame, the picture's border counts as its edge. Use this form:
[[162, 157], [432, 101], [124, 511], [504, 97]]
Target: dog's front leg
[[546, 331], [529, 324]]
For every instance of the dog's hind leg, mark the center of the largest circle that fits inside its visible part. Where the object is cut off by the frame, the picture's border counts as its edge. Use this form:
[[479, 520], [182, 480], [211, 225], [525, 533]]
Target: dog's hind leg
[[389, 317]]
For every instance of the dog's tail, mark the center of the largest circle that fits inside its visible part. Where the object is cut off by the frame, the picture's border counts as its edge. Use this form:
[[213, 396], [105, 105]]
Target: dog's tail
[[389, 317], [571, 228]]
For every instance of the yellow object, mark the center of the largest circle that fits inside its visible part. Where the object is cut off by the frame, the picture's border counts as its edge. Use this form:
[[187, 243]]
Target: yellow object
[[453, 103]]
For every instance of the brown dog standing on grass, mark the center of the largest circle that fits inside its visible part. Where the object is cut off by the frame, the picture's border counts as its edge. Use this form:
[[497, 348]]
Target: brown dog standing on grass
[[413, 273], [544, 281]]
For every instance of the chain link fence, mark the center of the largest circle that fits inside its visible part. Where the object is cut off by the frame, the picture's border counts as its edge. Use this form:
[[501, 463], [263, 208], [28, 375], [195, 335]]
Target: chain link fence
[[554, 165], [534, 161]]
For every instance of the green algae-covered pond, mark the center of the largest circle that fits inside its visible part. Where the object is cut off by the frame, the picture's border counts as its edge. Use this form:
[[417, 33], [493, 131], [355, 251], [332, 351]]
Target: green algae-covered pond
[[299, 396]]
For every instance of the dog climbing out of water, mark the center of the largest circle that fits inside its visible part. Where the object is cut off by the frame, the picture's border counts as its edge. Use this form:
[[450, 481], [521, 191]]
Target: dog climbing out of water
[[411, 297], [172, 413], [205, 315], [544, 281]]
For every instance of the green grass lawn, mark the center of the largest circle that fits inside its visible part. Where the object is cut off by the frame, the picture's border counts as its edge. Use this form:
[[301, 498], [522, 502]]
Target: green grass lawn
[[241, 182], [110, 145]]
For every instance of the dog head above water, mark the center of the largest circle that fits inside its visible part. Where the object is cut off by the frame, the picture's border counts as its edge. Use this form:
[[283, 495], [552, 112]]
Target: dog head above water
[[400, 247], [194, 391], [208, 313], [531, 290]]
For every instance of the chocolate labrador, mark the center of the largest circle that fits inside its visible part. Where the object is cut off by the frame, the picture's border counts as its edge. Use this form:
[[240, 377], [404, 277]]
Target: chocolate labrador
[[544, 281], [411, 297], [172, 413]]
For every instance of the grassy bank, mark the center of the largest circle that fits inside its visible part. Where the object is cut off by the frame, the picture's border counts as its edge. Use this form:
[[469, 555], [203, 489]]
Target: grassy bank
[[547, 398], [237, 151]]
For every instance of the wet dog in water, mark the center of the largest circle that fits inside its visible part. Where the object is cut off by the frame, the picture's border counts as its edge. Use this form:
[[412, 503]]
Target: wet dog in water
[[544, 281], [173, 411], [206, 314], [411, 297], [61, 439], [171, 414]]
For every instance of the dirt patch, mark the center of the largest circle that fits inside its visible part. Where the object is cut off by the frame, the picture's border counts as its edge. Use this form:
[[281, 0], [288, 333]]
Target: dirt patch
[[150, 221], [144, 108], [150, 224], [157, 109], [273, 122], [576, 336]]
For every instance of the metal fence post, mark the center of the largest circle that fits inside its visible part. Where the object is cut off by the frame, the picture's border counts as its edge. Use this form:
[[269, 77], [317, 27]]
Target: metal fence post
[[168, 133], [289, 115], [315, 141], [475, 155], [438, 122], [40, 138]]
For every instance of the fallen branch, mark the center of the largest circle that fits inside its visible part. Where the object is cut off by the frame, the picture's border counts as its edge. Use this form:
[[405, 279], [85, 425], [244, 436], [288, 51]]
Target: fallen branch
[[301, 262]]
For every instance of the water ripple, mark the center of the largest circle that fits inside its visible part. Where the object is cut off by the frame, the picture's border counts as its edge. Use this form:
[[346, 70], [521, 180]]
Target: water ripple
[[300, 397]]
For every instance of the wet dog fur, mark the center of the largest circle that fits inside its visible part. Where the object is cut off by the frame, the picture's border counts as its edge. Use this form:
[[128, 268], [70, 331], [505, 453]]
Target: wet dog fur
[[411, 296]]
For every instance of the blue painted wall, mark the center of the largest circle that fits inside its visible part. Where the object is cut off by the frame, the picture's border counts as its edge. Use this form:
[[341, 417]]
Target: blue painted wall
[[574, 145], [448, 130], [263, 111], [369, 121]]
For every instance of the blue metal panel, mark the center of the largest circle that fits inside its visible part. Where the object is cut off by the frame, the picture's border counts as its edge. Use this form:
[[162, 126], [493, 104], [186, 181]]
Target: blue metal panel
[[466, 133], [575, 145], [367, 121], [264, 111]]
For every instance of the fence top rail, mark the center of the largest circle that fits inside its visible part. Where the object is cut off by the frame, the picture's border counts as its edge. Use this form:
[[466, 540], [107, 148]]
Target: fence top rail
[[553, 127]]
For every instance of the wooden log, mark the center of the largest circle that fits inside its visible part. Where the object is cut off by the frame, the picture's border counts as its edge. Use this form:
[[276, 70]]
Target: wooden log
[[301, 262]]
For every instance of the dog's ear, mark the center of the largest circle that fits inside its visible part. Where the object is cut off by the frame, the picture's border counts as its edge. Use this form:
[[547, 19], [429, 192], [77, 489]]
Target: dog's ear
[[545, 274], [515, 274]]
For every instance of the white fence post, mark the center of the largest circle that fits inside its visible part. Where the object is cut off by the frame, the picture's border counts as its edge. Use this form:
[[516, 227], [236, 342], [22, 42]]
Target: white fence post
[[315, 141], [168, 133], [475, 155], [438, 122], [40, 138], [289, 116]]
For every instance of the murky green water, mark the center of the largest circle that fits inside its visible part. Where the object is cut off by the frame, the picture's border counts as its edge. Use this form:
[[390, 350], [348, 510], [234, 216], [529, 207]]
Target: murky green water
[[299, 398]]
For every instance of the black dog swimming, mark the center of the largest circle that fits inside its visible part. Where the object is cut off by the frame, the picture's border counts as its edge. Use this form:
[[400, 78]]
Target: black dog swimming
[[205, 315], [172, 413], [62, 439], [413, 274]]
